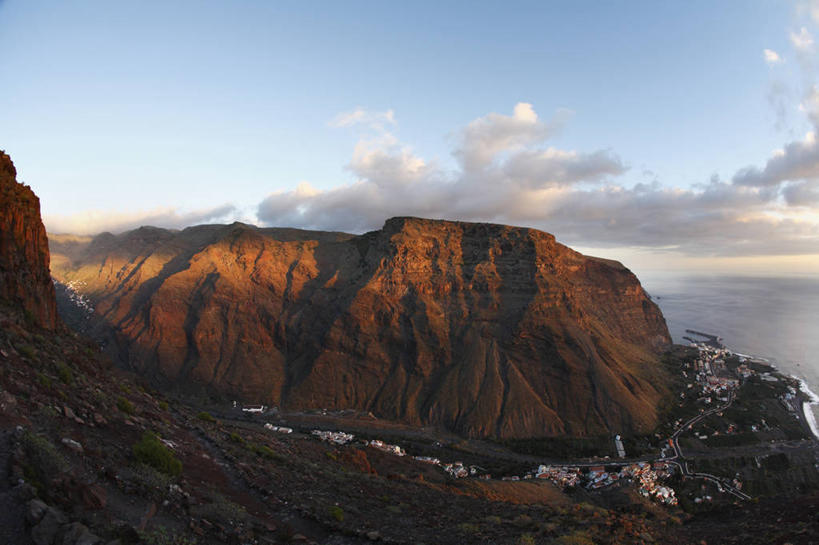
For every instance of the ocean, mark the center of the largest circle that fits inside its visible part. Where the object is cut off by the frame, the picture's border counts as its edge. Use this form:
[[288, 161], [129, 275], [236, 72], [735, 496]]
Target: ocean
[[773, 318]]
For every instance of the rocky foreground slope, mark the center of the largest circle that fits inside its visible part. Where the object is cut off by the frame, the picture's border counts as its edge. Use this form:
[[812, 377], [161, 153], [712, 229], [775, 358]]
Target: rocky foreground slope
[[487, 330], [24, 276]]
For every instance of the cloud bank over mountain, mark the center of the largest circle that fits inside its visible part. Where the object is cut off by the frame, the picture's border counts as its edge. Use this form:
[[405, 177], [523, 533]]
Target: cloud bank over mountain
[[508, 173], [505, 167]]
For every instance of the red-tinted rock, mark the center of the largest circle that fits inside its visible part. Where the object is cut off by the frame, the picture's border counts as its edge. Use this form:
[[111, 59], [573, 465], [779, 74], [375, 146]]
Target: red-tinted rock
[[485, 329], [25, 279]]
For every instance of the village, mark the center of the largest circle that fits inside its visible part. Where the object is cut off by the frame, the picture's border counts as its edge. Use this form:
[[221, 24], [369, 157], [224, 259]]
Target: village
[[710, 383]]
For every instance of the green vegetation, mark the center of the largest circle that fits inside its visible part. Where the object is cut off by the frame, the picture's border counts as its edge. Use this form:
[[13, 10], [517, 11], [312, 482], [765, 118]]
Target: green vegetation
[[64, 373], [125, 406], [236, 438], [576, 538], [29, 317], [264, 451], [150, 450], [337, 513], [42, 460], [468, 528], [43, 380], [163, 536], [163, 405], [220, 508], [526, 539], [27, 350], [205, 416]]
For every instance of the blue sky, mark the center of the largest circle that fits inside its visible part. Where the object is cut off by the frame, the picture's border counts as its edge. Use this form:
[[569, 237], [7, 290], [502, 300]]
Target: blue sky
[[172, 113]]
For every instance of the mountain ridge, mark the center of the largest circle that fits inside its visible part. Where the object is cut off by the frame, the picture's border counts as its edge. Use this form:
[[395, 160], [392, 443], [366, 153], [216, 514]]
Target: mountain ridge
[[484, 329]]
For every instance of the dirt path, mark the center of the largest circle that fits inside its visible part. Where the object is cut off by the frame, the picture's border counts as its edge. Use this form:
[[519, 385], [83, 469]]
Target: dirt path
[[12, 508]]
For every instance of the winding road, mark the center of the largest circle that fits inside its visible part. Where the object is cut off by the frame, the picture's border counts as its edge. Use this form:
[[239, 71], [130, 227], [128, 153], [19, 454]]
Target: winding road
[[679, 459]]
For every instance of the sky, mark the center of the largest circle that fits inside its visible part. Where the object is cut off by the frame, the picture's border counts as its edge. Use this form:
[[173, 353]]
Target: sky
[[672, 136]]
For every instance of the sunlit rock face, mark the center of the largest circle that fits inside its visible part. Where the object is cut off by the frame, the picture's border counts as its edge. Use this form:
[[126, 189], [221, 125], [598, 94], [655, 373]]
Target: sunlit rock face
[[482, 329], [24, 275]]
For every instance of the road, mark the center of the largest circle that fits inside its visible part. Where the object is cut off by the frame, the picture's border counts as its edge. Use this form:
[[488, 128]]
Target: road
[[679, 459]]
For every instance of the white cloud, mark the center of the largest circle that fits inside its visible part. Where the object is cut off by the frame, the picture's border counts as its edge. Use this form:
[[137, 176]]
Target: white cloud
[[485, 138], [811, 7], [508, 175], [360, 116], [93, 222], [771, 56], [802, 40]]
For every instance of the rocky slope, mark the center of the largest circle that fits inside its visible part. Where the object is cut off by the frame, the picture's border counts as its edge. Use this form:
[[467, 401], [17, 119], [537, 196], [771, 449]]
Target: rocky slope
[[24, 275], [484, 329]]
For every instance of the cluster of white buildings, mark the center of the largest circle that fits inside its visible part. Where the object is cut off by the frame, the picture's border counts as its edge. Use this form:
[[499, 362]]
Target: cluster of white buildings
[[336, 437], [279, 429], [564, 477], [710, 373], [650, 487], [646, 475], [78, 299], [385, 447]]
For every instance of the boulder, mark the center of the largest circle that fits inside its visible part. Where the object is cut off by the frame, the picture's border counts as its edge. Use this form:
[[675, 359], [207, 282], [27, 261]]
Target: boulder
[[45, 532], [36, 511]]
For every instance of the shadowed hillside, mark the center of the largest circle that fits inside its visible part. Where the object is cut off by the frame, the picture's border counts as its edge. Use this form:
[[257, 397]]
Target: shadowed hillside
[[487, 330]]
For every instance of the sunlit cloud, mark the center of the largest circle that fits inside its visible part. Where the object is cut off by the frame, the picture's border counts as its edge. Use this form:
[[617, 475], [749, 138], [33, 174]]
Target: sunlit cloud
[[94, 221], [802, 40], [771, 56], [508, 173], [361, 116]]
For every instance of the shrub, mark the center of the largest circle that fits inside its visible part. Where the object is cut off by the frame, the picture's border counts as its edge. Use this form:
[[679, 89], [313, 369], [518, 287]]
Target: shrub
[[150, 450], [236, 438], [522, 521], [337, 513], [577, 538], [29, 317], [163, 536], [219, 508], [526, 539], [27, 350], [42, 460], [125, 406], [468, 528], [264, 451], [64, 373], [163, 405], [204, 415], [43, 380]]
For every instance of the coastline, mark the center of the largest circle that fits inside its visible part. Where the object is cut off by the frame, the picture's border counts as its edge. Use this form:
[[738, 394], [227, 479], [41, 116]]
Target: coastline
[[812, 398], [807, 406]]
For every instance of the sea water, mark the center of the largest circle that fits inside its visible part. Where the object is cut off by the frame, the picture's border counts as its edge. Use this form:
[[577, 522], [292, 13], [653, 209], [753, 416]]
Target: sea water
[[776, 318]]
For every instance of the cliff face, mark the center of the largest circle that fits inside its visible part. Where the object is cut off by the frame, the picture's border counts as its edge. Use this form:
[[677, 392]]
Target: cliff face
[[487, 330], [24, 275]]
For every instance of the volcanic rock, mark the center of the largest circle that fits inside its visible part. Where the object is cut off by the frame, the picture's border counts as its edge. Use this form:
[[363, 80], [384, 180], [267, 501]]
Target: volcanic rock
[[25, 279], [486, 330]]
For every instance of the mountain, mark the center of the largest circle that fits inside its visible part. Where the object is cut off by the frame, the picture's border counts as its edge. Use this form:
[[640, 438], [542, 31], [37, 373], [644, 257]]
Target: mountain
[[486, 330], [24, 274]]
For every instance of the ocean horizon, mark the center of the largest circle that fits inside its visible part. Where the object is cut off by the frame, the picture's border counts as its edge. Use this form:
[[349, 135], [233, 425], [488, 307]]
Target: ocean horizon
[[768, 317]]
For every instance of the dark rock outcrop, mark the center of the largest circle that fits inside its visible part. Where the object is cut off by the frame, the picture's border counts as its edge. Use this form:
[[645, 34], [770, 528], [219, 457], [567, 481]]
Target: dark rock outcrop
[[24, 261], [487, 330]]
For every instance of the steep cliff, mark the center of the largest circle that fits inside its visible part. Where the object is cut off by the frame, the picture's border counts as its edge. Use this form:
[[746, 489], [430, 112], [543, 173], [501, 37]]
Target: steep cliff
[[24, 275], [484, 329]]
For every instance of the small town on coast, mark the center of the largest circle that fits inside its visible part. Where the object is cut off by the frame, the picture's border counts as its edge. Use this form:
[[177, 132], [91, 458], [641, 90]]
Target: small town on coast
[[711, 380]]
